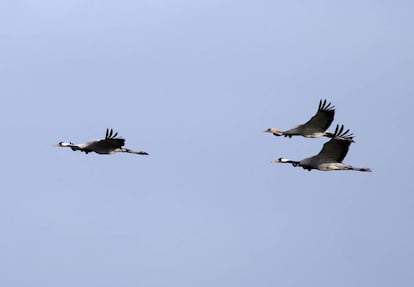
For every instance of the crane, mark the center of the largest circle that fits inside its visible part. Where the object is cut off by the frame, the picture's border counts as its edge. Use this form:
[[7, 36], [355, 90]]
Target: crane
[[109, 145], [331, 156], [315, 127]]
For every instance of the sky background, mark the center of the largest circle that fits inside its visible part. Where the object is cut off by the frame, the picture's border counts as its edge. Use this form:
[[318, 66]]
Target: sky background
[[195, 83]]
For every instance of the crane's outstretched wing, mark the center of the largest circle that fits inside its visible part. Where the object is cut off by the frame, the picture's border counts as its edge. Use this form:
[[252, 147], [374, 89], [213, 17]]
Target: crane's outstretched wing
[[110, 134], [110, 143], [337, 147], [323, 118]]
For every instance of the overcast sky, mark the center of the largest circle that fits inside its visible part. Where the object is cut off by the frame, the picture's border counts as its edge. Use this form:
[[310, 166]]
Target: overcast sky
[[195, 83]]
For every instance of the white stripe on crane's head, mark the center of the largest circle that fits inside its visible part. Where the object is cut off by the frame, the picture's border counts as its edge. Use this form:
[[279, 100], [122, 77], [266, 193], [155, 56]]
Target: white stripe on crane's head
[[63, 144], [281, 160]]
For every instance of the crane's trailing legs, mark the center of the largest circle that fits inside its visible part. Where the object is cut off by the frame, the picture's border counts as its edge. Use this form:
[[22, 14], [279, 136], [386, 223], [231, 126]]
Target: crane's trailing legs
[[135, 152]]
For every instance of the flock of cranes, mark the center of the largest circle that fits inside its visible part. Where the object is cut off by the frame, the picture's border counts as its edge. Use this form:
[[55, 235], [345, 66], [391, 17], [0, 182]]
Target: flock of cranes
[[330, 157], [333, 151]]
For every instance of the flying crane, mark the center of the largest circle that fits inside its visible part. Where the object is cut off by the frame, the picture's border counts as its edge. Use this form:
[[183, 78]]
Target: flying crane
[[109, 145], [331, 156], [315, 127]]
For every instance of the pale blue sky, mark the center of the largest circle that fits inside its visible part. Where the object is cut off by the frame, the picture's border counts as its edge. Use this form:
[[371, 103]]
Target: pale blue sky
[[195, 83]]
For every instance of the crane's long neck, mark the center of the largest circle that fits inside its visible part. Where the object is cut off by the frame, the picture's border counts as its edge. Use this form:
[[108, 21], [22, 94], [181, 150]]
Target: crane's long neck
[[285, 160], [275, 131], [69, 144]]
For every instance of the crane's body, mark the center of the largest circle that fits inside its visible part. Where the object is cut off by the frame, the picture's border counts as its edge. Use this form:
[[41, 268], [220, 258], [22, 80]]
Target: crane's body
[[315, 127], [331, 156], [109, 145]]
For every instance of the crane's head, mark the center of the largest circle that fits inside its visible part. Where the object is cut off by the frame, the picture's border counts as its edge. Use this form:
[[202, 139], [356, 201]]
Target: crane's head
[[273, 131], [63, 144], [281, 160]]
